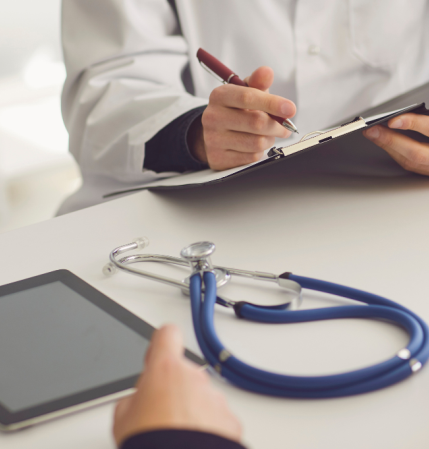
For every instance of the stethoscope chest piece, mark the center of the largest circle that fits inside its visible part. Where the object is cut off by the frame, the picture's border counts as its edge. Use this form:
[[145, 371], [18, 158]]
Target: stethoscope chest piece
[[198, 255], [198, 251]]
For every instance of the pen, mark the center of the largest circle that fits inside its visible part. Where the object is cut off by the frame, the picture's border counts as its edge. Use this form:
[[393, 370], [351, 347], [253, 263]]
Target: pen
[[227, 76]]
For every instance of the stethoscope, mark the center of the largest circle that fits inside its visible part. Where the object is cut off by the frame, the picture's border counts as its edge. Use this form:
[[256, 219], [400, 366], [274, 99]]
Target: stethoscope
[[202, 287]]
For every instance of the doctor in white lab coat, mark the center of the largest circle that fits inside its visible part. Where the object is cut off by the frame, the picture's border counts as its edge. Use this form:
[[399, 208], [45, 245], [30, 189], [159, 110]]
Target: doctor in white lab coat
[[132, 71]]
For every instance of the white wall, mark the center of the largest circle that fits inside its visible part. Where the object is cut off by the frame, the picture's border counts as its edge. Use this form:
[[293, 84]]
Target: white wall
[[25, 26], [36, 171]]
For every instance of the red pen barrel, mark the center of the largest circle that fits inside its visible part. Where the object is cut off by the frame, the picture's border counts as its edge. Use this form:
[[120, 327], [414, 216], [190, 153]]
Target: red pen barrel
[[277, 119], [217, 67], [237, 81]]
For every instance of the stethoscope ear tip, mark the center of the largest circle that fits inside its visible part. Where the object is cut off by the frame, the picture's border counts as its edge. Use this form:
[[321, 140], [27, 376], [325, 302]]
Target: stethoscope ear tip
[[109, 269], [141, 242]]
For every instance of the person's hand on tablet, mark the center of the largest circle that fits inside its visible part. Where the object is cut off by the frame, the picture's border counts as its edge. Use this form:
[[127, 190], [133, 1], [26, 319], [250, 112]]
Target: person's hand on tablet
[[235, 128], [173, 393], [410, 154]]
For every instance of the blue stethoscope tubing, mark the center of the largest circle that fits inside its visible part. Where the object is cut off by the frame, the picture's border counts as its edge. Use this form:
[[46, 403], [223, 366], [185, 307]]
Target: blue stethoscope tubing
[[256, 380]]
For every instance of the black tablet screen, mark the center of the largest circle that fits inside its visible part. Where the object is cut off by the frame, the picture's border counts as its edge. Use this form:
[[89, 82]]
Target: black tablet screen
[[54, 343]]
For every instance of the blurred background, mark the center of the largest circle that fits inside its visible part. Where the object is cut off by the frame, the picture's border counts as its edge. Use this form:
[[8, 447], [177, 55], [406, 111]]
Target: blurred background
[[36, 170]]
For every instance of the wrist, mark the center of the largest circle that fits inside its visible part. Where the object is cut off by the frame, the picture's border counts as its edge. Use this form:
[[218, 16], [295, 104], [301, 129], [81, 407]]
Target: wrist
[[195, 140], [178, 439]]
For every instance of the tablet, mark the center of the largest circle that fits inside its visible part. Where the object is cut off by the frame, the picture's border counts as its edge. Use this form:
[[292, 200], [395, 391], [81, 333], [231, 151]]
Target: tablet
[[65, 346]]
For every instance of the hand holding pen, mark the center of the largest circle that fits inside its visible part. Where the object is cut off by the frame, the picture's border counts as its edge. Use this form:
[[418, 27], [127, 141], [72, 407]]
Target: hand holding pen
[[236, 128]]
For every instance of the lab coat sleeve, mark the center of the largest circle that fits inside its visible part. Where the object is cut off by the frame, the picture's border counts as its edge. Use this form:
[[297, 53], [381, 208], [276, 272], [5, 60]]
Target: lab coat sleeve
[[168, 150], [124, 83]]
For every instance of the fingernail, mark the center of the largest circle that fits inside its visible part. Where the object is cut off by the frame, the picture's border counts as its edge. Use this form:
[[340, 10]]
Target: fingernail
[[398, 123], [287, 109], [373, 133]]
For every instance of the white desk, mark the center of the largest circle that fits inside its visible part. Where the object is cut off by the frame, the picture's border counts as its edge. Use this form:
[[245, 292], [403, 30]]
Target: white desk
[[368, 233]]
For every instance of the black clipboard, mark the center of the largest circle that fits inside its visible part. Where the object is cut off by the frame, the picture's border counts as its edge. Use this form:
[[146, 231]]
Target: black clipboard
[[343, 148]]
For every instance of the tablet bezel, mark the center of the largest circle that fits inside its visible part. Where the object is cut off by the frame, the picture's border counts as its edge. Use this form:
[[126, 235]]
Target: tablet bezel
[[10, 421]]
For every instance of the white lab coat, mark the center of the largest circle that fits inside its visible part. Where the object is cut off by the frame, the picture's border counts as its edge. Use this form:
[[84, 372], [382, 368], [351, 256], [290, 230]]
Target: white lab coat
[[125, 67]]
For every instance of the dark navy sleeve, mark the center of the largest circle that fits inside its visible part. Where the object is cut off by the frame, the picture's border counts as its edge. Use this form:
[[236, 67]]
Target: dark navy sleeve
[[168, 149], [178, 439]]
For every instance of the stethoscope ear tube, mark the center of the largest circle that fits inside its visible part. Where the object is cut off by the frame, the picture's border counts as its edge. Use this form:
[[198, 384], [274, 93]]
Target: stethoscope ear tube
[[395, 369]]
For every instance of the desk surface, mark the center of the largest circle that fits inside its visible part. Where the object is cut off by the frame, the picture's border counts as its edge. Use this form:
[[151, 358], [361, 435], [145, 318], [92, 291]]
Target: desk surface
[[370, 233]]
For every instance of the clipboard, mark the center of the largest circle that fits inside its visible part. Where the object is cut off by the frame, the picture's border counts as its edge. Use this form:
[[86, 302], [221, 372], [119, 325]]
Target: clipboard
[[339, 146]]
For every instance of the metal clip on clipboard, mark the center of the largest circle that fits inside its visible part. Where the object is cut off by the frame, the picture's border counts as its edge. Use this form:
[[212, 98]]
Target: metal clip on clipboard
[[320, 137]]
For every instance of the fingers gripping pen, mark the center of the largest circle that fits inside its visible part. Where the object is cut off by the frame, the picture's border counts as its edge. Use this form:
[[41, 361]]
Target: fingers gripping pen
[[227, 76]]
